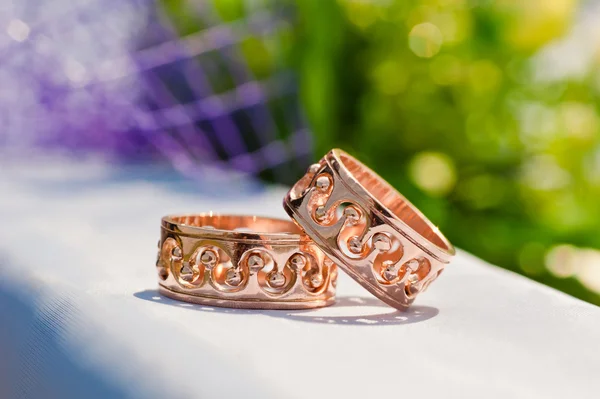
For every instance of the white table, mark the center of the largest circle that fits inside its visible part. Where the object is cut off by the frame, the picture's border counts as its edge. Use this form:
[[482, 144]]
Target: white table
[[80, 315]]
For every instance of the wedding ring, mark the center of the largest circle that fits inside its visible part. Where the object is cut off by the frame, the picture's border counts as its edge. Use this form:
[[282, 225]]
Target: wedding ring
[[242, 262], [368, 228]]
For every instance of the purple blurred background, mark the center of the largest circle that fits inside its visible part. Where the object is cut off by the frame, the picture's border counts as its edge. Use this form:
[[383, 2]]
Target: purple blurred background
[[115, 78]]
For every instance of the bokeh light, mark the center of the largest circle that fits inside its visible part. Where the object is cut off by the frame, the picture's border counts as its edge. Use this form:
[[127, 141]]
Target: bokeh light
[[434, 173], [18, 30], [425, 40]]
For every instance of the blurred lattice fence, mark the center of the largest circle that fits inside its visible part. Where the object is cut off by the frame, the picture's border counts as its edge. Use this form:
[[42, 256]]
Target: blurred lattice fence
[[174, 81]]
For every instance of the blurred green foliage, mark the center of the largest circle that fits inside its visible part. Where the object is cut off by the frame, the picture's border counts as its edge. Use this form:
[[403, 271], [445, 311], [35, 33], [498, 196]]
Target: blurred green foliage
[[447, 100], [443, 99]]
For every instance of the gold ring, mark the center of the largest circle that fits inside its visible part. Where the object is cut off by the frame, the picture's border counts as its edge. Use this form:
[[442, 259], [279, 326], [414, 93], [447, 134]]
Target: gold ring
[[242, 262], [368, 228]]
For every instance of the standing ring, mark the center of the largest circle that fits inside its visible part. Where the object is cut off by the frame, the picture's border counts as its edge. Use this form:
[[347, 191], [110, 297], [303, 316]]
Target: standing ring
[[368, 228]]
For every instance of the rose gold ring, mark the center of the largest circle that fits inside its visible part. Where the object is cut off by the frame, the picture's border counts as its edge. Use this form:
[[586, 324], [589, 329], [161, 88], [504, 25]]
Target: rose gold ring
[[368, 228], [242, 262]]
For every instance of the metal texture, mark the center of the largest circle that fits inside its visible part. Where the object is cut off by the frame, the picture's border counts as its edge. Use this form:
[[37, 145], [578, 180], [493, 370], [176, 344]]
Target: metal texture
[[242, 262], [368, 228]]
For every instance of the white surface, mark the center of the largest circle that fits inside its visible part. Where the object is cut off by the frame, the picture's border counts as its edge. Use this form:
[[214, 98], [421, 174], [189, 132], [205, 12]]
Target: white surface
[[81, 251]]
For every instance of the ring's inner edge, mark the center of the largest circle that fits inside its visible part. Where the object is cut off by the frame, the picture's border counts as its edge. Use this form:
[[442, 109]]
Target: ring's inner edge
[[254, 224], [389, 197]]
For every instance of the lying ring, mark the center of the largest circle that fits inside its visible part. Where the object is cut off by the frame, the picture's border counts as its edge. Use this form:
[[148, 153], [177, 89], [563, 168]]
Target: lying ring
[[242, 262]]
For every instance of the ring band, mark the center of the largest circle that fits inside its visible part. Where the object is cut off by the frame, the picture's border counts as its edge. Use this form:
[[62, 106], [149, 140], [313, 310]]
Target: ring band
[[242, 262], [368, 228]]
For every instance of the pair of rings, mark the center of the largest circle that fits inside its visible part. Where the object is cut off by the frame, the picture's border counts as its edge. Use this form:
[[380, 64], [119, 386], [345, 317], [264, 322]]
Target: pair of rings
[[343, 215]]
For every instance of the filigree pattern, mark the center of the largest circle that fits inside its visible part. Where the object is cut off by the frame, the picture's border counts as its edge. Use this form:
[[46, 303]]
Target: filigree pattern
[[356, 234], [360, 236], [229, 268]]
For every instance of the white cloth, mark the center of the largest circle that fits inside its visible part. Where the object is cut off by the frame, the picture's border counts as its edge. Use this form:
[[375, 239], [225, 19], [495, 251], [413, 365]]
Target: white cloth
[[80, 315]]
